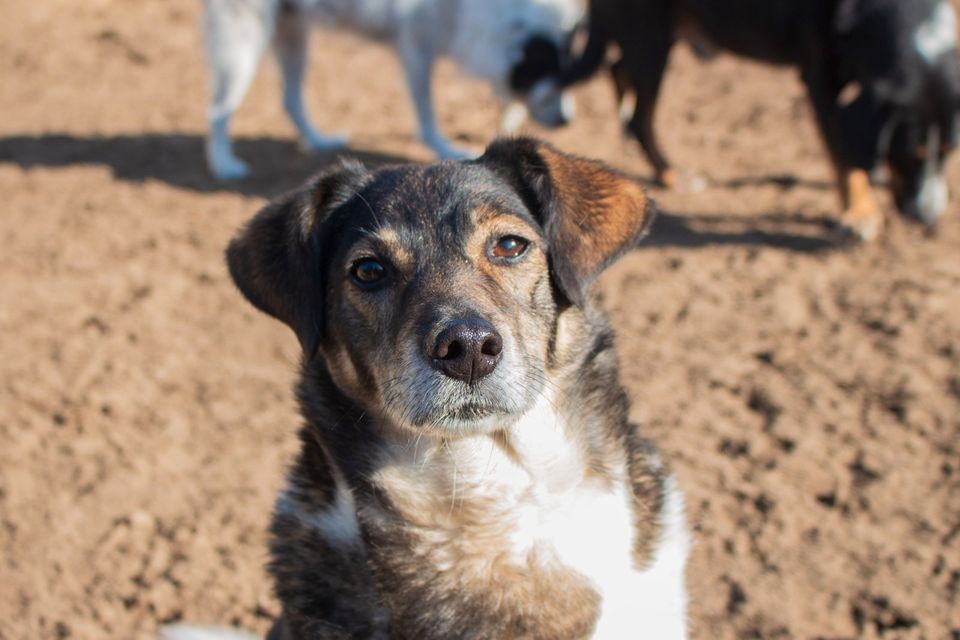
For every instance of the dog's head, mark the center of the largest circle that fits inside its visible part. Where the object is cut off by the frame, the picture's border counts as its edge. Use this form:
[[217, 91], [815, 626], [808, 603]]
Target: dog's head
[[534, 78], [433, 294], [520, 46]]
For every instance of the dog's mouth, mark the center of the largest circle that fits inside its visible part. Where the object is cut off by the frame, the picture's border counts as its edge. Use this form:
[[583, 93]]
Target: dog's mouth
[[466, 418], [473, 411], [454, 409]]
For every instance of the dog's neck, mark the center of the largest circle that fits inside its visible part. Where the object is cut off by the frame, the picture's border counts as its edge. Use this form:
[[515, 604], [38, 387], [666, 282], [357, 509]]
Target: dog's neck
[[439, 482], [542, 448]]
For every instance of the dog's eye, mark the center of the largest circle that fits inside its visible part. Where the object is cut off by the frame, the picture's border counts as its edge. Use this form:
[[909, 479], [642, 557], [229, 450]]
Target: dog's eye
[[509, 247], [368, 271]]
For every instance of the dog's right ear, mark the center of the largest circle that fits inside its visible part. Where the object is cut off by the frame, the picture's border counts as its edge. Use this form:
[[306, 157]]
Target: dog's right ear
[[276, 260]]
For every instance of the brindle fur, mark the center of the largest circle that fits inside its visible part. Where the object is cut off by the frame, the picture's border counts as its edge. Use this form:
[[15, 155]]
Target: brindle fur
[[432, 555]]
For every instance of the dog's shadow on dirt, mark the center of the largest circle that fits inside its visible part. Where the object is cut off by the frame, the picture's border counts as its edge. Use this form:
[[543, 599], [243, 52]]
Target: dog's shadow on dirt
[[177, 159], [791, 232], [278, 166]]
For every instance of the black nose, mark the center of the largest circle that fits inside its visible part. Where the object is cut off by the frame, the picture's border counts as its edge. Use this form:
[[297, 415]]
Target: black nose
[[467, 350]]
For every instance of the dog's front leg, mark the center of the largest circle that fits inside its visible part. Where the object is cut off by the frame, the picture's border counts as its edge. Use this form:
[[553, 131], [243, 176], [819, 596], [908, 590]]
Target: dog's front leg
[[418, 64], [324, 584], [852, 148], [235, 37], [641, 69], [290, 43]]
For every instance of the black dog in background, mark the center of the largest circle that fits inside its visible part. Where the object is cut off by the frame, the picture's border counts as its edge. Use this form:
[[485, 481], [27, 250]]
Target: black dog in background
[[883, 77]]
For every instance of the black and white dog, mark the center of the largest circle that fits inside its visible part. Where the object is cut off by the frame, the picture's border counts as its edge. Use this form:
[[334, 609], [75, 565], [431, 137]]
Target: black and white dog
[[516, 45], [883, 77]]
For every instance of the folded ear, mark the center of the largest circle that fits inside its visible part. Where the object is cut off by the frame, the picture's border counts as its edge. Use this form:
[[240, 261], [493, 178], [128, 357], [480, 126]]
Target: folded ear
[[276, 260], [591, 213]]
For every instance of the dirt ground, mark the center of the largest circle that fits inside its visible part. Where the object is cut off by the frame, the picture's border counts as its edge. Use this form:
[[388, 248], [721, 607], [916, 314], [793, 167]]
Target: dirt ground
[[806, 393]]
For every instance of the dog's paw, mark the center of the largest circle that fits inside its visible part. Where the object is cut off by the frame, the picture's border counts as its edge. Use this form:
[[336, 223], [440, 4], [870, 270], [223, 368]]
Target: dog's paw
[[668, 179], [682, 181], [186, 632], [864, 225], [228, 167], [316, 142], [447, 151]]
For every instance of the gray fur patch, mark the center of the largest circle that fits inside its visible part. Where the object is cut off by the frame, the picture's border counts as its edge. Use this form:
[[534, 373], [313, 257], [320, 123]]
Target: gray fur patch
[[938, 35]]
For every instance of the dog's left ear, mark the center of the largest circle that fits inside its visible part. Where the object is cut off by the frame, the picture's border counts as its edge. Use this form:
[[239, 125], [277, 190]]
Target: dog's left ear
[[591, 213]]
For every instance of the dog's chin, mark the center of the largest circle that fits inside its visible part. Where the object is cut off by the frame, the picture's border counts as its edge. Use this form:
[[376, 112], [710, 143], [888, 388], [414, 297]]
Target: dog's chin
[[469, 418]]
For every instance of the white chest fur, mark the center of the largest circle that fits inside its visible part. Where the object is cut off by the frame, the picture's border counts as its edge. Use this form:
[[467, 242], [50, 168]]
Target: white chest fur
[[591, 531], [556, 515]]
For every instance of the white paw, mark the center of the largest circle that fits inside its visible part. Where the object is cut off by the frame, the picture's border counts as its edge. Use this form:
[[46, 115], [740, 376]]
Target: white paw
[[316, 142], [228, 167], [447, 151], [186, 632]]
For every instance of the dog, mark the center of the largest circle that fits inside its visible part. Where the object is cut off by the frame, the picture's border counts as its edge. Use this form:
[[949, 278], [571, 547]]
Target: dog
[[883, 77], [467, 468], [516, 45]]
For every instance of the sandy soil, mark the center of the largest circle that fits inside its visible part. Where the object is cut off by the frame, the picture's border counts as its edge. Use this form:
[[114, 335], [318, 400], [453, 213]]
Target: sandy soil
[[806, 393]]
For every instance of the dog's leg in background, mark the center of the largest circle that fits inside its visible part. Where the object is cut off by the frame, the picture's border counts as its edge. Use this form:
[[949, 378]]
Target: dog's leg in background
[[852, 149], [235, 34], [185, 632], [418, 65], [290, 44], [645, 60]]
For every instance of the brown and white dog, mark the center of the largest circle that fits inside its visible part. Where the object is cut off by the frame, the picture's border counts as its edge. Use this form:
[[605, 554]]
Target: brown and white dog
[[467, 468]]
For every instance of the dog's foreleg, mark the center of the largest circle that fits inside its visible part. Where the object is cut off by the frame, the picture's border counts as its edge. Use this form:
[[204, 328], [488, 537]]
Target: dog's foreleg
[[290, 44], [322, 574], [236, 35], [418, 65], [850, 136], [862, 215], [640, 73]]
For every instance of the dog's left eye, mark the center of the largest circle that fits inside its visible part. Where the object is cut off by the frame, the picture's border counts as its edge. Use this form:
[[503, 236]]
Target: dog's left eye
[[368, 271], [509, 247]]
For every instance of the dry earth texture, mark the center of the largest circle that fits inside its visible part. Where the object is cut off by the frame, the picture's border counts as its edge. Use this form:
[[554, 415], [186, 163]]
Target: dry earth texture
[[806, 392]]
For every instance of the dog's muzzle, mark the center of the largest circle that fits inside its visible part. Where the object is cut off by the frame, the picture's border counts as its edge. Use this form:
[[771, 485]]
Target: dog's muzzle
[[549, 104]]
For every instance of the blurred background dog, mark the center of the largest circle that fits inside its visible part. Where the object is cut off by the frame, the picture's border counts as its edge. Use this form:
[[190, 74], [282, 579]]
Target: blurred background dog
[[883, 77], [516, 45]]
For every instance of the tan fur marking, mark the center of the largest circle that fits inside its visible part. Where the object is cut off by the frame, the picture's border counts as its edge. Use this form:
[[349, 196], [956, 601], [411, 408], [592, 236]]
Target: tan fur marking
[[605, 209], [863, 215], [669, 178]]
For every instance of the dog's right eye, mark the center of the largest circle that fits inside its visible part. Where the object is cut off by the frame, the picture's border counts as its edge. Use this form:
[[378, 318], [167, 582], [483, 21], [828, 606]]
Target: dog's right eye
[[368, 271]]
